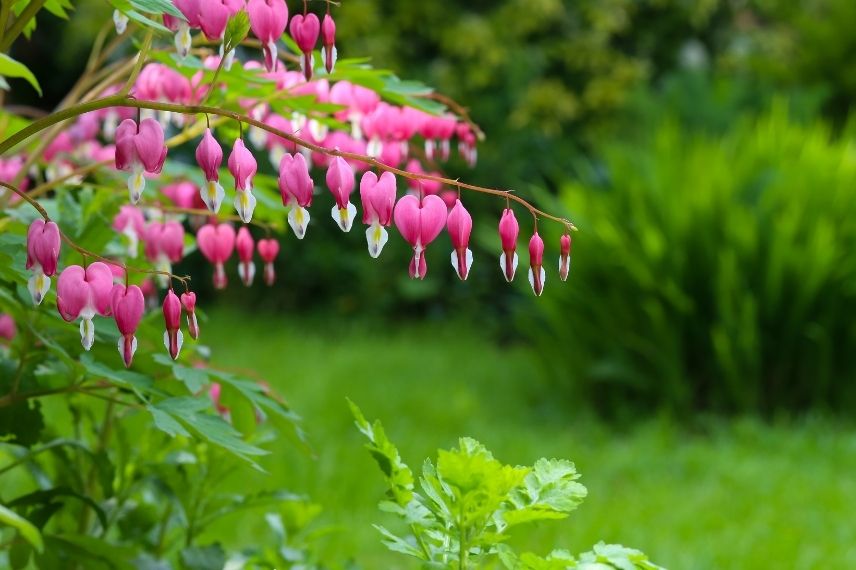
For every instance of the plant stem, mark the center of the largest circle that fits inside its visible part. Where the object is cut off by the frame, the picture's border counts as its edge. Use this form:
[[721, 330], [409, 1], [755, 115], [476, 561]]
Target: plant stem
[[20, 23], [121, 101]]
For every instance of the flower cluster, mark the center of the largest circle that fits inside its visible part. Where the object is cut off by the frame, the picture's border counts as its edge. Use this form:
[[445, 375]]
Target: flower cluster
[[380, 142]]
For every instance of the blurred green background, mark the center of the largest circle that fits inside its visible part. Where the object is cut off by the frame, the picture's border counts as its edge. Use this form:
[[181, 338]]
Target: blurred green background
[[699, 363]]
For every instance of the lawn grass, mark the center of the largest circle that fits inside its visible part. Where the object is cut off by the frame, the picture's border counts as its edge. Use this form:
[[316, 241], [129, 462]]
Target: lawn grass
[[738, 494]]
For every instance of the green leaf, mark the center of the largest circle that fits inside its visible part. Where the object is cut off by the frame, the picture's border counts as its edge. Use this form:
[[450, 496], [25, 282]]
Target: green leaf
[[397, 473], [22, 421], [12, 68], [139, 382], [549, 491], [23, 526], [65, 548], [615, 556], [236, 31], [209, 557], [158, 7], [398, 544], [48, 495]]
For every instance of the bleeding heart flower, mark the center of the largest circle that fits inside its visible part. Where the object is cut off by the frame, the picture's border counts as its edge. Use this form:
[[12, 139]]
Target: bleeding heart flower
[[460, 225], [8, 330], [268, 250], [378, 198], [164, 245], [340, 180], [188, 301], [419, 223], [537, 275], [304, 29], [328, 39], [172, 337], [209, 156], [243, 167], [267, 20], [215, 14], [190, 10], [295, 186], [216, 242], [245, 246], [509, 229], [565, 257], [184, 194], [130, 223], [127, 305], [43, 243], [84, 293], [139, 148]]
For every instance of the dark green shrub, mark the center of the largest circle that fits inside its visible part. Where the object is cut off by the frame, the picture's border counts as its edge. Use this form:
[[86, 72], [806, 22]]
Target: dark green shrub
[[711, 273]]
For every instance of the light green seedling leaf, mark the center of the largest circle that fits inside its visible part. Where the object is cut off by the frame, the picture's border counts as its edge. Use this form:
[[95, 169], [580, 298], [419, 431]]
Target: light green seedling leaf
[[615, 556], [12, 68], [549, 491], [398, 474], [23, 526], [236, 31]]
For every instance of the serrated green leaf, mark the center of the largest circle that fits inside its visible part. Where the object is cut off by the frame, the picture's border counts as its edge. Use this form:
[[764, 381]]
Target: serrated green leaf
[[12, 68], [236, 31]]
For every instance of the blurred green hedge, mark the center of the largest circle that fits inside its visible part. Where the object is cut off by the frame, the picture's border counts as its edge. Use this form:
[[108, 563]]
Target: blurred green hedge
[[712, 273]]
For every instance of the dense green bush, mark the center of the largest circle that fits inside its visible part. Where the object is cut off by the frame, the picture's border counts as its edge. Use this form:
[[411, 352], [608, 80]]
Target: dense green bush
[[712, 273]]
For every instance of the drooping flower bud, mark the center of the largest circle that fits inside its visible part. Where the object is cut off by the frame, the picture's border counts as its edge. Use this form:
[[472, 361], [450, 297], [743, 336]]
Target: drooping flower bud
[[268, 250], [139, 148], [295, 186], [565, 257], [419, 223], [127, 305], [304, 30], [120, 20], [509, 229], [188, 301], [378, 198], [216, 242], [43, 243], [328, 39], [340, 180], [172, 337], [245, 246], [130, 223], [243, 167], [209, 156], [8, 330], [84, 293], [537, 275], [268, 19], [459, 226]]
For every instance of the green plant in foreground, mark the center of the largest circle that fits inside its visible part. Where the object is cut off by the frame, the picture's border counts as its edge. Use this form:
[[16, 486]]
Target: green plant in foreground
[[470, 501]]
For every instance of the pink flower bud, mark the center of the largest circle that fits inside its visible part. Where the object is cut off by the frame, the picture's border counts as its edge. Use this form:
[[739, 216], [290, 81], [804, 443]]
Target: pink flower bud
[[209, 156], [565, 257], [304, 30], [139, 148], [216, 242], [340, 180], [43, 244], [509, 229], [8, 330], [268, 250], [419, 224], [328, 39], [127, 305], [188, 301], [268, 19], [295, 186], [459, 226], [537, 276], [245, 246], [243, 167], [172, 337]]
